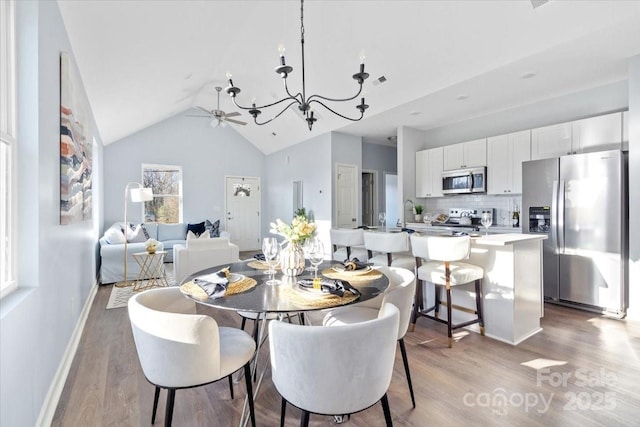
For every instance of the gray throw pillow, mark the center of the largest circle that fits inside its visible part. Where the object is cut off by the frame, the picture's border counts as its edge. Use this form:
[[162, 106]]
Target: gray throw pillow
[[213, 228]]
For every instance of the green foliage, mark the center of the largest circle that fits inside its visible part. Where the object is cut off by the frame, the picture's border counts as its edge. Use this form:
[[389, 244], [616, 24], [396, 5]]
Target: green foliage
[[419, 209]]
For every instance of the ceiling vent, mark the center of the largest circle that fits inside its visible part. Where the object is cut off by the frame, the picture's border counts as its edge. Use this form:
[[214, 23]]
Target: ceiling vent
[[379, 80], [537, 3]]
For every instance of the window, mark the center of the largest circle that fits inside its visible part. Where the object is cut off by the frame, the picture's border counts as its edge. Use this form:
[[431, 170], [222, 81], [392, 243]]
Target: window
[[166, 183], [8, 148]]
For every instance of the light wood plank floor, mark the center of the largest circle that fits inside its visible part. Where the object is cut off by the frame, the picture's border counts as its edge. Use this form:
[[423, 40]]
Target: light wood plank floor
[[478, 382]]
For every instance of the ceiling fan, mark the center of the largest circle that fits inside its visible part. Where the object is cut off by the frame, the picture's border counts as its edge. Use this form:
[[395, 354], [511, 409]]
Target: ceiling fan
[[220, 118]]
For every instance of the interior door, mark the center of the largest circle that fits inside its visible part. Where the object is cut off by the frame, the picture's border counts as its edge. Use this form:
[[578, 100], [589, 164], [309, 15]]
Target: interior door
[[243, 211], [368, 198], [347, 196]]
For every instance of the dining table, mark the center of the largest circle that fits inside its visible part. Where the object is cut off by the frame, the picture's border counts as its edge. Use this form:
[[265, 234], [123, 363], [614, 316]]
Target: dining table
[[248, 291]]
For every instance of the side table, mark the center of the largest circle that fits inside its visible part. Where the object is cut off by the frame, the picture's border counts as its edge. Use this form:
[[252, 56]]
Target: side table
[[151, 266]]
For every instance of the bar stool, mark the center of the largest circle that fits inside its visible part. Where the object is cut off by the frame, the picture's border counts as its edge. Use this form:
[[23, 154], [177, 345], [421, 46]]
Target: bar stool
[[444, 269], [348, 243], [393, 249]]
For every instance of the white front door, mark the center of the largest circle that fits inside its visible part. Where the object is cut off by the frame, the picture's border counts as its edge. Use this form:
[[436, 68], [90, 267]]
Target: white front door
[[243, 211], [347, 196]]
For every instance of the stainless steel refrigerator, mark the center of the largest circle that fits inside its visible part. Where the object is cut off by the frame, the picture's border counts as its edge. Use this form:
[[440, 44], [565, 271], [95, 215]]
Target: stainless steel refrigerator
[[581, 202]]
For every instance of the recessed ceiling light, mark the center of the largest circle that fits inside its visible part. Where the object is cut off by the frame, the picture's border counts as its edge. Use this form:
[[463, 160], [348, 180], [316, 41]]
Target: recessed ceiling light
[[188, 76], [415, 113], [462, 97], [528, 75]]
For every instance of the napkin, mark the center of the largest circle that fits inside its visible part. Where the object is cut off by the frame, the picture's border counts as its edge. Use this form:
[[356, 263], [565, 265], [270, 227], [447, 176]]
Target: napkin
[[331, 286], [354, 264], [214, 284], [408, 230], [259, 257]]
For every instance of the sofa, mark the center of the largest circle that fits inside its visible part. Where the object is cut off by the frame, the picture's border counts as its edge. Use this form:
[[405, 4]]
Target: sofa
[[112, 247]]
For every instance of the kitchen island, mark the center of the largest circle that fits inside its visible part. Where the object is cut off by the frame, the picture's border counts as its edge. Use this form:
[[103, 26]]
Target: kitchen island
[[512, 285]]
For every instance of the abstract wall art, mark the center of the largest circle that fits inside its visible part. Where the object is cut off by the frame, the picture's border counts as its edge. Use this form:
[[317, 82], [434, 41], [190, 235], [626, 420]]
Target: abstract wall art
[[75, 147]]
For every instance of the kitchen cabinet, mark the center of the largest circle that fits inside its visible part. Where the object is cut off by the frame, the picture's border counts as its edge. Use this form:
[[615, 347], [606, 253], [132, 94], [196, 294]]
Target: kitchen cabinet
[[466, 154], [551, 141], [580, 136], [429, 172], [505, 154], [597, 133]]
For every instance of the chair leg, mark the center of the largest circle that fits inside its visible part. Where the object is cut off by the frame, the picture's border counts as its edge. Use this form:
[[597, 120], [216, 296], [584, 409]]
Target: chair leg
[[449, 329], [283, 411], [479, 306], [230, 386], [244, 322], [247, 378], [417, 305], [437, 300], [156, 396], [171, 397], [387, 411], [304, 421], [405, 360]]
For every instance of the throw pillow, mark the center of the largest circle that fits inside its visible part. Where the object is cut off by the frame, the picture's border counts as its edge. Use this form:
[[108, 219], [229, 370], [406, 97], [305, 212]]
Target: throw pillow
[[213, 228], [198, 229], [114, 236], [192, 236], [136, 235]]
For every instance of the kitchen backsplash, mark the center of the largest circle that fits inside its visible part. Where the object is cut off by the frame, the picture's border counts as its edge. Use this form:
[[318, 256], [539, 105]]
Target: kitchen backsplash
[[502, 204]]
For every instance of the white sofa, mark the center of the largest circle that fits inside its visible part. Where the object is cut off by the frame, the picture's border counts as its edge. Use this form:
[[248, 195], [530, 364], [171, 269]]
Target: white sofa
[[112, 254], [199, 254]]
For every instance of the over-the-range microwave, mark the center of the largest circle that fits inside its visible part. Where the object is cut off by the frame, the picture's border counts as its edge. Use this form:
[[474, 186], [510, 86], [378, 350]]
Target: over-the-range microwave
[[464, 181]]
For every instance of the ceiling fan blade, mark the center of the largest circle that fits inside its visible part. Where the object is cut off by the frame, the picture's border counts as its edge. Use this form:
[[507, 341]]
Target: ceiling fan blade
[[195, 115], [234, 114], [204, 109], [238, 122]]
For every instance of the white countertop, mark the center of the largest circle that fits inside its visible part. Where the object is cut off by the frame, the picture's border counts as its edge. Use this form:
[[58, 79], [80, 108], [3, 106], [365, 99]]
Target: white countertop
[[492, 230], [506, 239]]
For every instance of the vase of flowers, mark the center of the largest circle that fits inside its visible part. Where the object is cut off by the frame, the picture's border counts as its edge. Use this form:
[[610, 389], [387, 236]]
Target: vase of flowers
[[151, 245], [292, 255]]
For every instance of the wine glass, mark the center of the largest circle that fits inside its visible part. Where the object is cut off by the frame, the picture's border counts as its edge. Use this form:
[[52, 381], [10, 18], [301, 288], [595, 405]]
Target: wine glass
[[271, 251], [316, 254], [486, 220], [382, 217], [307, 246]]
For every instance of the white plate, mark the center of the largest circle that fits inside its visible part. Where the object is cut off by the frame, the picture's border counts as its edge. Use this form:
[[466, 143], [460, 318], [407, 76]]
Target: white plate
[[311, 291], [339, 268]]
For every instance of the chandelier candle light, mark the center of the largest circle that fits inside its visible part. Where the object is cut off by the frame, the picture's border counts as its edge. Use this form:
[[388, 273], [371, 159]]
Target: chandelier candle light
[[304, 103]]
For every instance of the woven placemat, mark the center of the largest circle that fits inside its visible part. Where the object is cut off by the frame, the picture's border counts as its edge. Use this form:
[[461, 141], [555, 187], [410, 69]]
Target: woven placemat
[[317, 302], [371, 275], [197, 292], [260, 265]]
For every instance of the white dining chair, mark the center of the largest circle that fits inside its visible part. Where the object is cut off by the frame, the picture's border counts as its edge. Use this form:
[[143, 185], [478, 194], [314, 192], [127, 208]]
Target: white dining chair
[[438, 261], [348, 243], [401, 292], [389, 249], [334, 371], [178, 348]]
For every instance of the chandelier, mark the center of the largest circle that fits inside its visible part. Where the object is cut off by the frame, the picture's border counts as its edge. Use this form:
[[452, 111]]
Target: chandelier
[[303, 102]]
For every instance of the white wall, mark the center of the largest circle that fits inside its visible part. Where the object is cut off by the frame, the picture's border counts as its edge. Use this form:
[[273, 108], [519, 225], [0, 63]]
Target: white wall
[[409, 142], [206, 155], [57, 264]]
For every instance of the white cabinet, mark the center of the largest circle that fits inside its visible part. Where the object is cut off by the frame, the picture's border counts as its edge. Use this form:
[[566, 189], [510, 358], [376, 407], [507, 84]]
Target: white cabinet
[[429, 172], [597, 133], [466, 154], [505, 154], [581, 136], [551, 141]]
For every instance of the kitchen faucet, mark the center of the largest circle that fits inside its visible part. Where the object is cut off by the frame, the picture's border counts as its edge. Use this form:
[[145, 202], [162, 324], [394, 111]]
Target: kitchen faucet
[[404, 213]]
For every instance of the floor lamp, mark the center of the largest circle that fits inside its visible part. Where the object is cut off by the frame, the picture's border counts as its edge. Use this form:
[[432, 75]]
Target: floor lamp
[[139, 194]]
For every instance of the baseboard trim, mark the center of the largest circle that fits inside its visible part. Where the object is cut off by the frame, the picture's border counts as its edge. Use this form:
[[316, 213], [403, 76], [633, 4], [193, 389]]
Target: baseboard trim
[[50, 404]]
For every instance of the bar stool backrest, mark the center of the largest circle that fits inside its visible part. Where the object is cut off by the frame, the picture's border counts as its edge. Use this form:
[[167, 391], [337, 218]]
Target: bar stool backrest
[[441, 248]]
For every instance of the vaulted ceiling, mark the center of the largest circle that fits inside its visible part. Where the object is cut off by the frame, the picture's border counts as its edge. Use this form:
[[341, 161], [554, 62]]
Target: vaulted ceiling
[[143, 61]]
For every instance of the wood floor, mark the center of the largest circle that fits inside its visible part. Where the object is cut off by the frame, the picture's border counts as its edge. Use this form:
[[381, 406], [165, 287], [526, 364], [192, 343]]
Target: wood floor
[[593, 380]]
